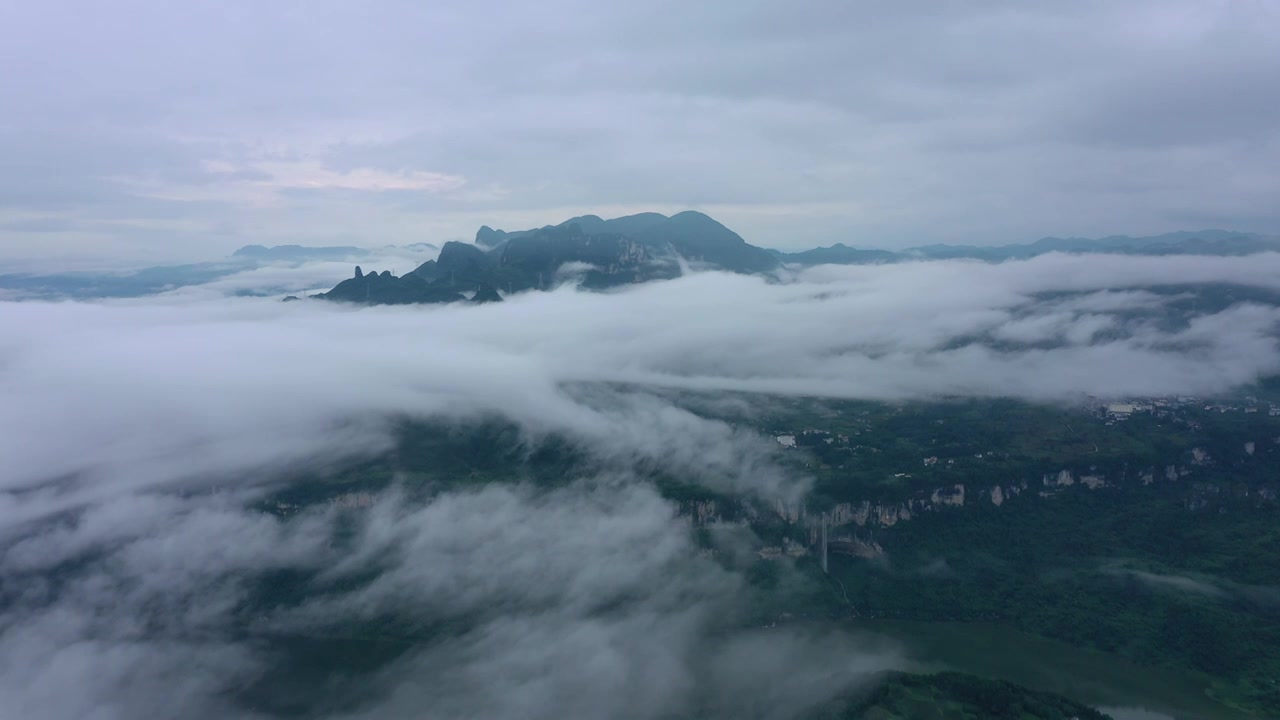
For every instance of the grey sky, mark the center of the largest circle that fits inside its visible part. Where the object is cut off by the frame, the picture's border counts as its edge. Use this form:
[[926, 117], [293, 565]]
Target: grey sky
[[161, 131]]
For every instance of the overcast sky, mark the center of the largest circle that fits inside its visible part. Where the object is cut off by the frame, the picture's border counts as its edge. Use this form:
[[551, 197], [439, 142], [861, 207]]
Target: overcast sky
[[162, 131]]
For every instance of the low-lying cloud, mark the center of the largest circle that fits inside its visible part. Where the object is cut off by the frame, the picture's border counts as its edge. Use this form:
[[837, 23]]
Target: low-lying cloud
[[156, 387], [502, 602], [134, 589]]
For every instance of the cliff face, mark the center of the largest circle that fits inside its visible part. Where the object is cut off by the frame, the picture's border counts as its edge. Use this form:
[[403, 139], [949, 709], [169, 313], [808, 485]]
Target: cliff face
[[882, 515], [844, 520]]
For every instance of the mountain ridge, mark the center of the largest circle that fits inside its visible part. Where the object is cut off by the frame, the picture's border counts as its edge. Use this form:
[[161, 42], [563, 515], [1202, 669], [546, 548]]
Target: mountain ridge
[[602, 253]]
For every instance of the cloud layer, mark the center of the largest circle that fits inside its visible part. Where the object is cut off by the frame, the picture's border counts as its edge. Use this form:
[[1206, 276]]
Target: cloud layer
[[181, 384], [134, 590], [174, 134]]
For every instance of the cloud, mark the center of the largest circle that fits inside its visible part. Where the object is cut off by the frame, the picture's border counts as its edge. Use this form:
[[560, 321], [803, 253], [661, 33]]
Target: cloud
[[139, 588], [1207, 586], [1168, 583], [512, 603], [867, 125], [158, 385], [313, 176]]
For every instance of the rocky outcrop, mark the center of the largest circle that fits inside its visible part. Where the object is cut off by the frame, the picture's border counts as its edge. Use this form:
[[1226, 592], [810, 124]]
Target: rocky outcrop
[[1063, 478], [953, 496], [872, 515], [887, 514], [855, 546]]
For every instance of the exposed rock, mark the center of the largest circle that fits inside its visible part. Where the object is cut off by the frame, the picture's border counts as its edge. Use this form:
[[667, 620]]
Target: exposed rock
[[786, 512], [1064, 478], [852, 545], [793, 549], [705, 512], [953, 496], [1093, 482]]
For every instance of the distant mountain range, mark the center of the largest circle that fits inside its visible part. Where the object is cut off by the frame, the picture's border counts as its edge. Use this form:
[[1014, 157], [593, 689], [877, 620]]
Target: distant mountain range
[[600, 253], [594, 252], [1202, 242], [90, 285], [589, 250], [690, 235]]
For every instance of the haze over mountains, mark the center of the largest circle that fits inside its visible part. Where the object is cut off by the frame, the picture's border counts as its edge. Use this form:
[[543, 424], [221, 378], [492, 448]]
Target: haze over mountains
[[589, 250], [600, 253], [560, 525], [550, 500], [577, 360]]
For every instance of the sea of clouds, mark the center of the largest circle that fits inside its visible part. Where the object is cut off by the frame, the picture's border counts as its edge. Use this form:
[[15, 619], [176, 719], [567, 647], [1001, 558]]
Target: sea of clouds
[[124, 591]]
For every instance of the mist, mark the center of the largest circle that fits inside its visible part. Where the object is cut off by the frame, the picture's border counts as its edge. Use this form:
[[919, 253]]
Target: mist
[[130, 586]]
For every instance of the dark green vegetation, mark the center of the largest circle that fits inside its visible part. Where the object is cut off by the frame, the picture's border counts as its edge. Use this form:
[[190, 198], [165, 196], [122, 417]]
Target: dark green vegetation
[[1161, 552], [1102, 680], [1139, 576], [1164, 547], [955, 696]]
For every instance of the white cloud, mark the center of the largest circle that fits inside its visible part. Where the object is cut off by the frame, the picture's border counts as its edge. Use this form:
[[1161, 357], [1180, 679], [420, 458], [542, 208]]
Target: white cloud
[[871, 126], [136, 591], [143, 390]]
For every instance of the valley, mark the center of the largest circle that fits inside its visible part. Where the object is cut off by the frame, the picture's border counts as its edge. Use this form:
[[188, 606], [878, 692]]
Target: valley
[[974, 534]]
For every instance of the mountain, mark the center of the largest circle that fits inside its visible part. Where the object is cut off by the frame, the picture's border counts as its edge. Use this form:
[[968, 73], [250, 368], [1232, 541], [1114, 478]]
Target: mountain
[[95, 285], [486, 294], [1202, 242], [598, 253], [691, 235], [459, 265], [601, 253], [839, 254], [386, 289]]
